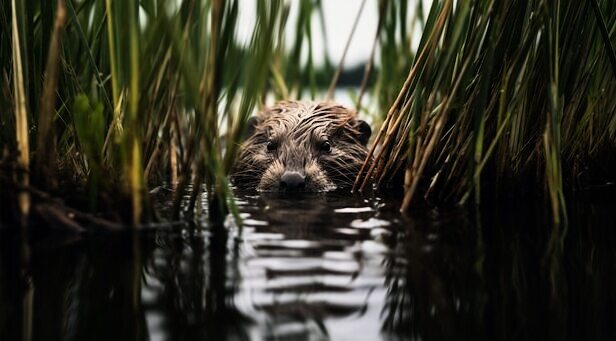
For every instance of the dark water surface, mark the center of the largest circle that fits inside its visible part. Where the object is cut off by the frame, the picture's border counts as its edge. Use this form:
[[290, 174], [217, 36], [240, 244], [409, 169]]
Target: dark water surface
[[322, 267]]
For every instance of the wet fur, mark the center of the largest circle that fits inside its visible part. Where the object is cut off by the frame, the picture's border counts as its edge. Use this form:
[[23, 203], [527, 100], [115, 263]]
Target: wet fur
[[299, 129]]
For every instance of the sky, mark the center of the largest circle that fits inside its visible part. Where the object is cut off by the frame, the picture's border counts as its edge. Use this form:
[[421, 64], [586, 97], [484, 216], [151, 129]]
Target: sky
[[339, 18]]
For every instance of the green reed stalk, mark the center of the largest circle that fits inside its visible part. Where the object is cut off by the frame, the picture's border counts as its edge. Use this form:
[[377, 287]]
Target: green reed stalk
[[124, 53], [113, 62], [134, 164], [210, 90]]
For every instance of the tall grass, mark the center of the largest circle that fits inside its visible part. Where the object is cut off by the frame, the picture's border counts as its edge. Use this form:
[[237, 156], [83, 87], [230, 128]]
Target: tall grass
[[121, 96], [116, 97], [505, 93]]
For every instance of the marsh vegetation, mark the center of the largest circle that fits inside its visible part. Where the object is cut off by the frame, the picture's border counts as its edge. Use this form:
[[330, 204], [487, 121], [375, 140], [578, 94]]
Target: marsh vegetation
[[108, 97], [118, 116]]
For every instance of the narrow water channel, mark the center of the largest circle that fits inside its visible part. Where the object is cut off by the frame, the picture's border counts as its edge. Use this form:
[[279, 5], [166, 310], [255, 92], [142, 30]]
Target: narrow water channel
[[321, 267]]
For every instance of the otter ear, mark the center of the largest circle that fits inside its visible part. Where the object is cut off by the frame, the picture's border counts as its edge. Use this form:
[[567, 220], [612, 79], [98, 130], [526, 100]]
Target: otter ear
[[364, 132], [251, 125]]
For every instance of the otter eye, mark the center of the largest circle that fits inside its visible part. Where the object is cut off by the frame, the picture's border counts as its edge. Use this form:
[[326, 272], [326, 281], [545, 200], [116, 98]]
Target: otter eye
[[326, 147], [271, 146]]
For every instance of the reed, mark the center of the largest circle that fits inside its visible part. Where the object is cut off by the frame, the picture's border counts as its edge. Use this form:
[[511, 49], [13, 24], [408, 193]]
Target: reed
[[121, 96], [46, 162], [21, 110], [504, 93]]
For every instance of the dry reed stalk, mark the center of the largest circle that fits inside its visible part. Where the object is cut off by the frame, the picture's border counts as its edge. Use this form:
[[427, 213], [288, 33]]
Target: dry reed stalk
[[370, 63], [21, 119], [403, 91], [332, 85], [46, 162], [444, 112]]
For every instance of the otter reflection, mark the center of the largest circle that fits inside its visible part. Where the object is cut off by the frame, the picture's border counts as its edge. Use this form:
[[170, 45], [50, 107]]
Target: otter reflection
[[299, 273]]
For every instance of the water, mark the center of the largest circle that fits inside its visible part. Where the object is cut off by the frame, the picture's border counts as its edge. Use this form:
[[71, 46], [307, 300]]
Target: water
[[321, 267]]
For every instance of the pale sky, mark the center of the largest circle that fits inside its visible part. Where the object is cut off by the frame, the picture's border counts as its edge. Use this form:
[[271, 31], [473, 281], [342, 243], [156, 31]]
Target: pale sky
[[339, 18]]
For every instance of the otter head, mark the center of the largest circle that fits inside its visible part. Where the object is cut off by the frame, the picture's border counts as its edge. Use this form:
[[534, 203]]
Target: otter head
[[302, 147]]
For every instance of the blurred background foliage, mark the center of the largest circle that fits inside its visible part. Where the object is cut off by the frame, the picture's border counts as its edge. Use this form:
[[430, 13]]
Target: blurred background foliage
[[103, 101]]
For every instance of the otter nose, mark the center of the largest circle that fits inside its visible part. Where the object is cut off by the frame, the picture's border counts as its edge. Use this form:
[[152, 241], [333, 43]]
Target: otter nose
[[292, 181]]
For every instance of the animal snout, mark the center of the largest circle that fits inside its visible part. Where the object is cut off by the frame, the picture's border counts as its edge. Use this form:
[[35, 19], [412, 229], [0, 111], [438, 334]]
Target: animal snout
[[292, 181]]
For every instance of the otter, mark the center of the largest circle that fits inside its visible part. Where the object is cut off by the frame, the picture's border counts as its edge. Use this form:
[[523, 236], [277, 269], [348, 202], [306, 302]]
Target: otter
[[297, 146]]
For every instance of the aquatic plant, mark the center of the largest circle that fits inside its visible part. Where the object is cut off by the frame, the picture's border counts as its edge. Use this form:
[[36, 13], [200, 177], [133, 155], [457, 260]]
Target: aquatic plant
[[117, 97], [513, 94]]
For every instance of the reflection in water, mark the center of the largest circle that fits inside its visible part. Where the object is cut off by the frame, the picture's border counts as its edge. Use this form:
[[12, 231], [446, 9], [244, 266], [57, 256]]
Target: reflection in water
[[434, 289], [320, 267], [307, 273]]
